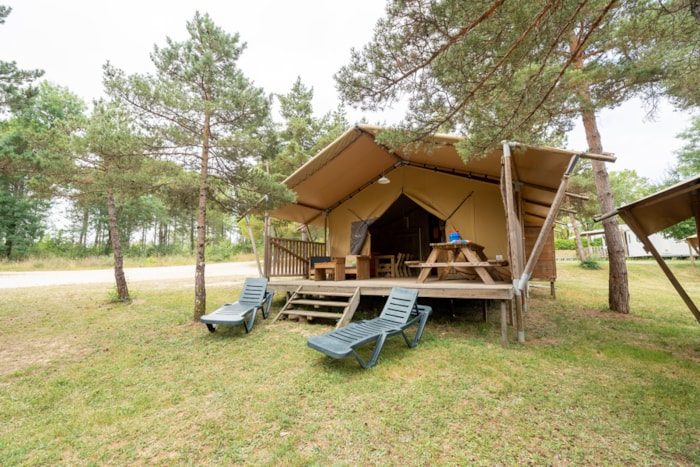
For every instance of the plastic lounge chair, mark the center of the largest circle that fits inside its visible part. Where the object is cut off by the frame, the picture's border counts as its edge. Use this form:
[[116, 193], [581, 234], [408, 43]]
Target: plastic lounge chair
[[254, 296], [400, 312]]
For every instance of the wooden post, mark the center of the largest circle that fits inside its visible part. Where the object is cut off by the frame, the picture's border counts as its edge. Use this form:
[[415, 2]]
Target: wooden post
[[695, 207], [504, 325], [267, 258], [644, 238], [252, 241], [325, 232], [514, 237], [547, 226]]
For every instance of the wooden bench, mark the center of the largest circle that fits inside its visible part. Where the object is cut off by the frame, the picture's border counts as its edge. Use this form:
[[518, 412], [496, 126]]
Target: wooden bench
[[458, 264]]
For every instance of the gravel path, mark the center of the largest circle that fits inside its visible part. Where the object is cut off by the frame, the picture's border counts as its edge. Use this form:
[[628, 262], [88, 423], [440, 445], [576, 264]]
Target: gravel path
[[13, 280]]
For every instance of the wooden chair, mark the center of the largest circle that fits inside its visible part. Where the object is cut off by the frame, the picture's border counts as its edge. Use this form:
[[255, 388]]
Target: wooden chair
[[401, 268], [385, 265]]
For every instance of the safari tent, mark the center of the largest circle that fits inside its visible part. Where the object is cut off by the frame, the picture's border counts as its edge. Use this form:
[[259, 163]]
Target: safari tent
[[377, 200]]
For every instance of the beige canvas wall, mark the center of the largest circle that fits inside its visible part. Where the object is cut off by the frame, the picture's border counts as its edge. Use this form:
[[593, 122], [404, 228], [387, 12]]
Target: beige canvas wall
[[480, 218]]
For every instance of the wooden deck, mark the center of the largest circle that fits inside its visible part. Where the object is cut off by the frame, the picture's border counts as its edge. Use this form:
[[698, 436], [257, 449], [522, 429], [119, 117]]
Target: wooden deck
[[432, 287]]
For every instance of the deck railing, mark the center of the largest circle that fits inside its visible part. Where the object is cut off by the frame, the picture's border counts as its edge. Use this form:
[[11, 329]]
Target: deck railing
[[285, 257]]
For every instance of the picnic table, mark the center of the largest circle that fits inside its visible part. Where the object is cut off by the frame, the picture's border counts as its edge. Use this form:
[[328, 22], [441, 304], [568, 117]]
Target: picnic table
[[461, 256]]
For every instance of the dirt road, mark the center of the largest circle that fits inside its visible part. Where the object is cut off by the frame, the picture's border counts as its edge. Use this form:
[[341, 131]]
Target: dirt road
[[13, 280]]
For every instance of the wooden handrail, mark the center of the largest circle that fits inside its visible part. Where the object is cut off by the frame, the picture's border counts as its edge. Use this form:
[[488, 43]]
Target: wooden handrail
[[290, 257]]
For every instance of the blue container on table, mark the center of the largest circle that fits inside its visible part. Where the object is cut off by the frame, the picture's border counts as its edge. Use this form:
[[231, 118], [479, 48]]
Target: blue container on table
[[454, 237]]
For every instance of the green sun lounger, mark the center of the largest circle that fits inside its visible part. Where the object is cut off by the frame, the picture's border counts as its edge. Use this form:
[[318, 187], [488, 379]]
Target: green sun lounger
[[254, 296], [400, 312]]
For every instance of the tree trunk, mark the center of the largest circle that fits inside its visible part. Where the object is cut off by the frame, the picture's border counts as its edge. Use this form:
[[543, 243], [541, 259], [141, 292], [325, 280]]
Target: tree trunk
[[193, 229], [9, 244], [577, 236], [618, 290], [84, 228], [122, 288], [200, 291]]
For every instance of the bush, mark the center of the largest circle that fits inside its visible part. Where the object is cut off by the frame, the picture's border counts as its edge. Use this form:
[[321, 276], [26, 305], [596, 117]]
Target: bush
[[225, 250], [570, 243], [150, 250], [565, 244], [589, 264]]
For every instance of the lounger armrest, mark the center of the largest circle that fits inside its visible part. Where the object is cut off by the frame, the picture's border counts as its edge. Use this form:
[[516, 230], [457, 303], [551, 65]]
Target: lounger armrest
[[421, 318], [267, 303]]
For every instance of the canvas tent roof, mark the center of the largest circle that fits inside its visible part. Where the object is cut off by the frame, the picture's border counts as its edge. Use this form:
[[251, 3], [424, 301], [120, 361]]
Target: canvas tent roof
[[664, 208], [355, 160], [659, 211]]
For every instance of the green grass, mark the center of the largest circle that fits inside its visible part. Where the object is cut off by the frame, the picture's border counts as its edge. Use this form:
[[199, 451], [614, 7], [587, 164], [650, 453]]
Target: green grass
[[86, 382]]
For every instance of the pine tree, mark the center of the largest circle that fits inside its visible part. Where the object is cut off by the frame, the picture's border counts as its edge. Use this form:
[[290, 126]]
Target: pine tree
[[496, 70], [211, 118]]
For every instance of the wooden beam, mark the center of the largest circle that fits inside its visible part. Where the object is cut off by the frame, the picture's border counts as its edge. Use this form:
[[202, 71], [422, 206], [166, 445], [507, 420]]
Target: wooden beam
[[514, 236], [504, 325], [605, 157], [577, 196], [695, 207], [644, 238], [547, 226]]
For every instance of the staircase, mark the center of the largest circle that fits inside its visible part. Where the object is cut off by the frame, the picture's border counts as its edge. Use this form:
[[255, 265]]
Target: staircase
[[310, 304]]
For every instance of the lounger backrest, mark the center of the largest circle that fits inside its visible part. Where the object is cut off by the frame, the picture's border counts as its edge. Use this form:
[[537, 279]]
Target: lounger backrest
[[253, 290], [399, 305]]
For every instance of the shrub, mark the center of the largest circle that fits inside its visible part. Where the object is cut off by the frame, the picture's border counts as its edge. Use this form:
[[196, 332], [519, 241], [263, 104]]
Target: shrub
[[589, 264]]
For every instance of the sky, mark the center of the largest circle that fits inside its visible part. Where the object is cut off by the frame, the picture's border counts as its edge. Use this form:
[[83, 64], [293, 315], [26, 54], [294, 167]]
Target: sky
[[72, 39]]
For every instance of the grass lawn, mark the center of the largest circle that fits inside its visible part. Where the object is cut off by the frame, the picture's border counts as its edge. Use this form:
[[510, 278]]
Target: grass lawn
[[87, 382]]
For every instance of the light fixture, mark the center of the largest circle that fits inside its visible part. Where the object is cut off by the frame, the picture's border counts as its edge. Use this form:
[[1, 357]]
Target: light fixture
[[383, 180]]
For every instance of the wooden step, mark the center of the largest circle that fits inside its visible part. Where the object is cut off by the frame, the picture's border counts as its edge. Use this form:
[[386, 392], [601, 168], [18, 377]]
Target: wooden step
[[305, 298], [314, 314], [306, 301], [325, 294]]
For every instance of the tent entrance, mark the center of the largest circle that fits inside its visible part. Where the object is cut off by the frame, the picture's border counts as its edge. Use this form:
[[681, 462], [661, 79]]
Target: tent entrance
[[406, 228]]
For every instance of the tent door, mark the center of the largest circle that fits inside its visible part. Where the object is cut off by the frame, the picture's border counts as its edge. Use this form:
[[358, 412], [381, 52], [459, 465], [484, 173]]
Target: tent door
[[406, 228]]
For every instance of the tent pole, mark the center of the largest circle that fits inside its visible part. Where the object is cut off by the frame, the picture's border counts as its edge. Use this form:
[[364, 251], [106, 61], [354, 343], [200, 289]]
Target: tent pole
[[252, 242], [325, 232], [267, 258]]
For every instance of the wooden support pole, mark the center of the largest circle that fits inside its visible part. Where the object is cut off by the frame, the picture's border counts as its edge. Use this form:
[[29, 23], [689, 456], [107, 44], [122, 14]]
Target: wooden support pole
[[252, 242], [514, 235], [267, 256], [504, 324], [695, 208], [547, 226], [644, 238]]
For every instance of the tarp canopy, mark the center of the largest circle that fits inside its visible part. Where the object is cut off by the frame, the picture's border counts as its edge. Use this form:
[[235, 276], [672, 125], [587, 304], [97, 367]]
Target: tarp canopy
[[664, 208], [354, 162], [659, 211]]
